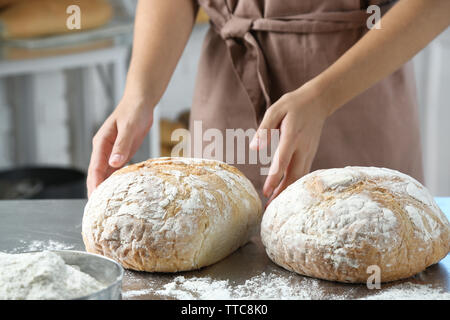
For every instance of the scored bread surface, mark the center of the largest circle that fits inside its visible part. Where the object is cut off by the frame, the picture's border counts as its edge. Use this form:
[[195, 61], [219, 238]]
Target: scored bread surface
[[171, 214], [333, 224]]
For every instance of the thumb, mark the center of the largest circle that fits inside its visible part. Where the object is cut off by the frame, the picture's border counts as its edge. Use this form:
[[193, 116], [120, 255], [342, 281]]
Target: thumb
[[121, 149]]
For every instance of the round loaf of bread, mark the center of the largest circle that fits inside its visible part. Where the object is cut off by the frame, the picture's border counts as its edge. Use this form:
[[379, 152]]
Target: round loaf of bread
[[333, 224], [171, 214]]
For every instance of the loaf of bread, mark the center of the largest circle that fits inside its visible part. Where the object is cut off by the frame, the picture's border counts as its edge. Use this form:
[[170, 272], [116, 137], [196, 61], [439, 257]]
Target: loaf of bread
[[37, 18], [171, 214], [333, 224]]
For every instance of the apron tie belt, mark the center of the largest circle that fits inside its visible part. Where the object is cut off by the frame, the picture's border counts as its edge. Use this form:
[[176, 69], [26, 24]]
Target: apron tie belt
[[236, 27], [245, 50]]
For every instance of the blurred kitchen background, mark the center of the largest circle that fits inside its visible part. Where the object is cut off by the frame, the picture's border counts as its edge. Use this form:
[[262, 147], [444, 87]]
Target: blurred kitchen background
[[56, 91]]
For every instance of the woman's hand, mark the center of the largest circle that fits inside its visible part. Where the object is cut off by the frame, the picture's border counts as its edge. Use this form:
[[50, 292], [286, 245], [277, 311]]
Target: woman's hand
[[407, 28], [118, 139], [299, 115], [161, 30]]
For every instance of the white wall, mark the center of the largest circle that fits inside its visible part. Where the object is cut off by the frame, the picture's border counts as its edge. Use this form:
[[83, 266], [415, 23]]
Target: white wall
[[433, 83]]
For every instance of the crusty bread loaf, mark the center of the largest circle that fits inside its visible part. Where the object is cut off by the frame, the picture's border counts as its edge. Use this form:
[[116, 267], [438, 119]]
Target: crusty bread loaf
[[171, 214], [333, 224], [37, 18]]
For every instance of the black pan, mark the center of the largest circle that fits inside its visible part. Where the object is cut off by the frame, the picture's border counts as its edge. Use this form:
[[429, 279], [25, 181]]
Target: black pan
[[42, 183]]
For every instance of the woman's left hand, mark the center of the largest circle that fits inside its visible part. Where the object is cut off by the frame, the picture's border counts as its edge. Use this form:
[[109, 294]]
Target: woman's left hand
[[299, 115]]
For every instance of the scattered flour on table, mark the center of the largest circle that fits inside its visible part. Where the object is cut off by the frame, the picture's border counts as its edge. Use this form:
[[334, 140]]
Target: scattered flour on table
[[264, 286], [273, 286], [37, 245], [410, 291], [42, 276]]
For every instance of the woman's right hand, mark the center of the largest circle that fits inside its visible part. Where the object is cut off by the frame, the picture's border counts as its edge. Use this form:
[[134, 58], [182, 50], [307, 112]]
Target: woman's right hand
[[118, 139], [161, 31]]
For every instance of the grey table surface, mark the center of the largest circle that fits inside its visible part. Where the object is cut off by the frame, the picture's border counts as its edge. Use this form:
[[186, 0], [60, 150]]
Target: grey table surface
[[27, 225]]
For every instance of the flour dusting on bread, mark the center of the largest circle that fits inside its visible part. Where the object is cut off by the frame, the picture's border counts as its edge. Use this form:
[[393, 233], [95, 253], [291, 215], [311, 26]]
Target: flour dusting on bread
[[334, 223], [171, 214]]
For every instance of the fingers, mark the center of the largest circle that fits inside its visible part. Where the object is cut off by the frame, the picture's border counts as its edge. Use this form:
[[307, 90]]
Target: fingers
[[117, 140], [98, 166], [299, 166], [281, 160], [272, 119], [105, 143], [122, 146], [300, 121]]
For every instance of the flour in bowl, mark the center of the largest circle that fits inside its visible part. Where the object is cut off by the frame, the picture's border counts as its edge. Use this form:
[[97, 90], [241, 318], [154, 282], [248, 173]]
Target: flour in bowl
[[42, 276]]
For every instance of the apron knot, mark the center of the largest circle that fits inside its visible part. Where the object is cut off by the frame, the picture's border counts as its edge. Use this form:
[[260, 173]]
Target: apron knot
[[236, 27]]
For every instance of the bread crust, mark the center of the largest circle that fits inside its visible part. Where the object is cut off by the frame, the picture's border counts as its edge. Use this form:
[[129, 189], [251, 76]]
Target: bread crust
[[171, 214], [333, 224]]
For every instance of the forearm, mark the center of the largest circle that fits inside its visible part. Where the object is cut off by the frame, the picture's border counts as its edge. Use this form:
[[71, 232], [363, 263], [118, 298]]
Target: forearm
[[161, 31], [406, 29]]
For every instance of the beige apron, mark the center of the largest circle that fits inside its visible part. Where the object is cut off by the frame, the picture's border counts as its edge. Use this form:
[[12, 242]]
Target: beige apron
[[258, 50]]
